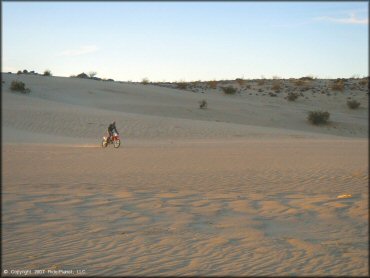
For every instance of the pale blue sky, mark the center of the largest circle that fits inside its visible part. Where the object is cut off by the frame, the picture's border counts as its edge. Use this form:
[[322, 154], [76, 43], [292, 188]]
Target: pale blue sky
[[172, 41]]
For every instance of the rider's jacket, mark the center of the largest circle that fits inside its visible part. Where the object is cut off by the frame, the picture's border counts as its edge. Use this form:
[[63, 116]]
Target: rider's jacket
[[112, 128]]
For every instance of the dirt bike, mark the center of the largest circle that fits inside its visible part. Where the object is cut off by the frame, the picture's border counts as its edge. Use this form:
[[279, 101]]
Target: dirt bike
[[114, 139]]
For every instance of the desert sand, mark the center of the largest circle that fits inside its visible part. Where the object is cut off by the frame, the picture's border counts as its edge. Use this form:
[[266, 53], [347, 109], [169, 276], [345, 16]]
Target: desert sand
[[245, 187]]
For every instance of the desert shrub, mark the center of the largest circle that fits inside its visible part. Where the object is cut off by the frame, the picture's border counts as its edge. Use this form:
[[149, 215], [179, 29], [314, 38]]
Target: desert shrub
[[19, 72], [318, 117], [261, 82], [181, 85], [145, 81], [19, 86], [299, 82], [47, 73], [292, 96], [229, 90], [306, 78], [272, 94], [212, 84], [337, 85], [195, 83], [240, 81], [353, 104], [82, 75], [92, 74], [203, 104], [276, 86], [363, 82]]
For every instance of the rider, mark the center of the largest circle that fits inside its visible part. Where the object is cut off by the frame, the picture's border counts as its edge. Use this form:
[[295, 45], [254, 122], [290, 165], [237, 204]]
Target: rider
[[112, 128]]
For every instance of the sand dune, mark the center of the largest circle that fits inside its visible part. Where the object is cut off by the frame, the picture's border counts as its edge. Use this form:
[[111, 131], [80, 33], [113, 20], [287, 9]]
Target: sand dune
[[246, 187], [78, 108]]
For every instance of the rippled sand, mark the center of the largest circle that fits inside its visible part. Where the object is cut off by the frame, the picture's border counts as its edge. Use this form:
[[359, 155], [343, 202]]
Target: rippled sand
[[254, 207]]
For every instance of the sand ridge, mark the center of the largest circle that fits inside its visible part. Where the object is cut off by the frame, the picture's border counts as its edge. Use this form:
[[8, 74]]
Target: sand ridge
[[148, 213], [246, 187], [75, 108]]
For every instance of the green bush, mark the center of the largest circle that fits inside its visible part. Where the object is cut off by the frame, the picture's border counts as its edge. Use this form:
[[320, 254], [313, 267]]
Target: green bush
[[353, 104], [19, 86], [229, 90], [318, 117]]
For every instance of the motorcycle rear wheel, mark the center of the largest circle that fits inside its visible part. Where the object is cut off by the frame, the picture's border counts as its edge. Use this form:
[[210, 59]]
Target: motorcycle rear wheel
[[104, 143]]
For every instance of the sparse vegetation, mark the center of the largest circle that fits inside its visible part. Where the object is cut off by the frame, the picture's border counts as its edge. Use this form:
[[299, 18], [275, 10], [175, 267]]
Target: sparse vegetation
[[306, 78], [230, 90], [292, 96], [240, 81], [363, 82], [261, 82], [276, 86], [47, 73], [299, 82], [337, 85], [194, 83], [212, 84], [181, 85], [82, 75], [203, 104], [19, 86], [353, 104], [92, 74], [318, 117], [145, 81]]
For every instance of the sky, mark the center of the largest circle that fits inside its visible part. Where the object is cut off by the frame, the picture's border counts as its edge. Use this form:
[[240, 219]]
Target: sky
[[187, 41]]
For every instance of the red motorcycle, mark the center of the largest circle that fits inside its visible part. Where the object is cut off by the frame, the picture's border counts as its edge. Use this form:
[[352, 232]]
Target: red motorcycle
[[114, 139]]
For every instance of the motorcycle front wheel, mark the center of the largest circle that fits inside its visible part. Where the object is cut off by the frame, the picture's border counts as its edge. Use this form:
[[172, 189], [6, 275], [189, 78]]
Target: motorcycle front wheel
[[117, 143]]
